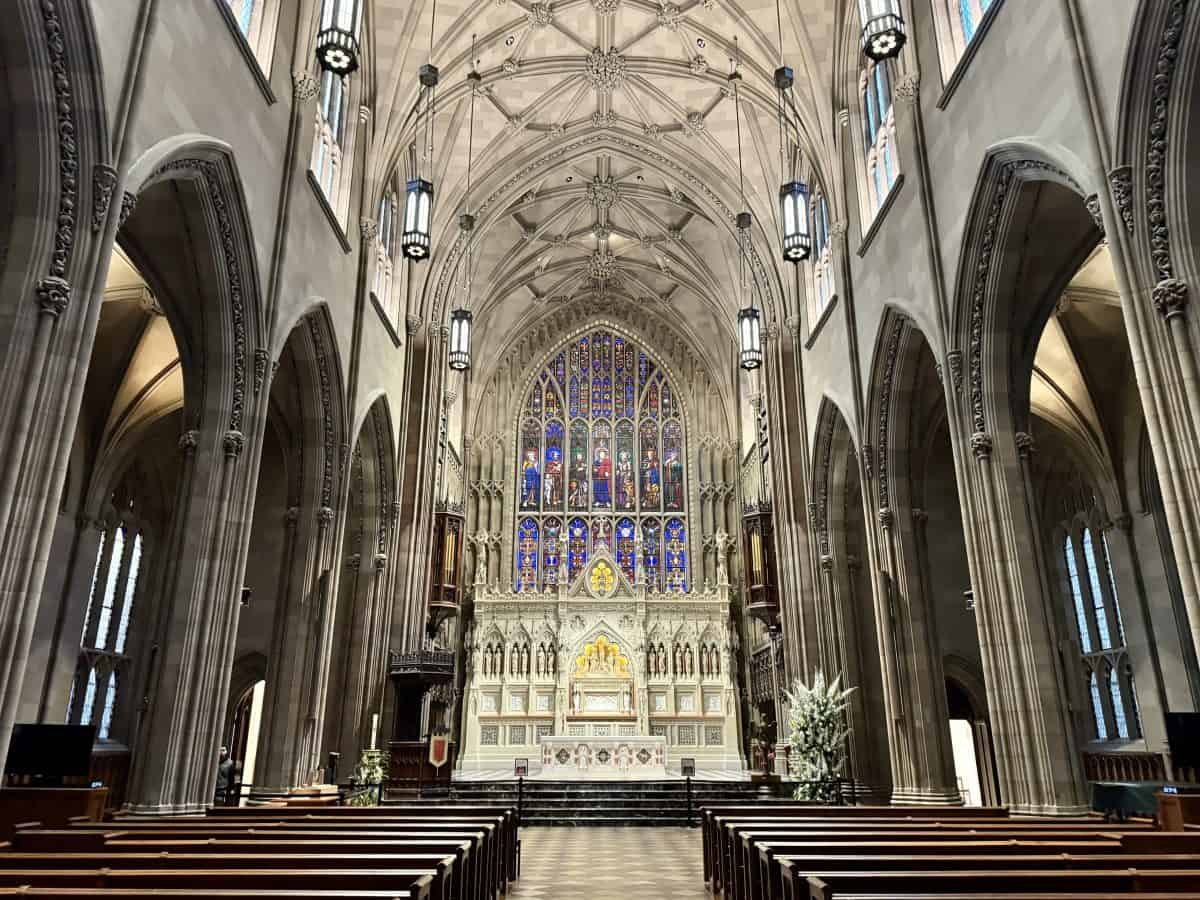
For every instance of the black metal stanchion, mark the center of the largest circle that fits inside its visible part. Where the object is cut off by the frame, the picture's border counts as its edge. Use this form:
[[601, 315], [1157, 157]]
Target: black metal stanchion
[[689, 801], [520, 798]]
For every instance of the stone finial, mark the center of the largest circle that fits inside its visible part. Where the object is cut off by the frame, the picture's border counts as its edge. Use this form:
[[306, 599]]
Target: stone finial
[[1170, 298]]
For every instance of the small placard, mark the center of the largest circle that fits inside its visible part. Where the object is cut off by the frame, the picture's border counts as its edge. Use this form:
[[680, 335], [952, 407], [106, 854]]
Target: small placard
[[521, 768], [687, 767]]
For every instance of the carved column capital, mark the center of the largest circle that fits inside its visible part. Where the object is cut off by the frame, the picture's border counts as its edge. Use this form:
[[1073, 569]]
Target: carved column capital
[[826, 562], [1096, 210], [1123, 521], [353, 561], [325, 515], [304, 87], [291, 516], [412, 324], [887, 518], [954, 359], [1120, 181], [104, 182], [1170, 298], [853, 563], [1026, 445], [188, 441], [53, 295], [261, 359], [380, 561], [981, 445], [908, 89], [128, 203], [234, 443], [369, 229], [920, 517]]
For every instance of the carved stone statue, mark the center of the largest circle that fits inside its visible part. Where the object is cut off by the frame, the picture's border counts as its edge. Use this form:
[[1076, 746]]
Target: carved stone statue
[[625, 702], [722, 542], [481, 558], [576, 700]]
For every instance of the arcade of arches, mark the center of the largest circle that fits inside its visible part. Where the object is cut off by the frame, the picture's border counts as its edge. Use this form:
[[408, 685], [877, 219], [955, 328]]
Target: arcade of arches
[[245, 502]]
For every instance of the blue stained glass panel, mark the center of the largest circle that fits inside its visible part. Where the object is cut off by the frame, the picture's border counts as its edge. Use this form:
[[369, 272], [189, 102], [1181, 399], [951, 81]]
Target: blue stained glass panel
[[1085, 639], [577, 547], [651, 548], [626, 533], [552, 474], [550, 538], [560, 370], [527, 556], [528, 470], [1098, 710], [675, 554], [585, 355]]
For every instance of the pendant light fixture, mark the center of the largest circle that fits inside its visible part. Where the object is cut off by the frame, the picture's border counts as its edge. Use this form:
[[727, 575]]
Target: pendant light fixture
[[883, 35], [749, 321], [337, 38], [416, 240], [460, 319], [793, 194]]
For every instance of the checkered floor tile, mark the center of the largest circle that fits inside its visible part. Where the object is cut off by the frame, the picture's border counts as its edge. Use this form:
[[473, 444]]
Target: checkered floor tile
[[610, 864]]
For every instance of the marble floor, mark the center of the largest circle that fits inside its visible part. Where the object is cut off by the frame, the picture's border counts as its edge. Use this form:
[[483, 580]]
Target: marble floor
[[610, 864]]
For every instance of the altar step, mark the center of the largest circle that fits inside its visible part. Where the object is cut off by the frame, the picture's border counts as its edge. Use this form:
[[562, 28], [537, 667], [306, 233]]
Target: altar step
[[598, 803]]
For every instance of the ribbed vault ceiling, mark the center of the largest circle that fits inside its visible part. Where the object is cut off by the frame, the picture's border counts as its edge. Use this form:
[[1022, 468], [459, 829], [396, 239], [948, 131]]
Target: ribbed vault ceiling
[[605, 161]]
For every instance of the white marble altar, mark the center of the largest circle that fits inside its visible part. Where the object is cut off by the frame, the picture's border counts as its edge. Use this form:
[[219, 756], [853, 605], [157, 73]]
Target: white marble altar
[[568, 758], [600, 659]]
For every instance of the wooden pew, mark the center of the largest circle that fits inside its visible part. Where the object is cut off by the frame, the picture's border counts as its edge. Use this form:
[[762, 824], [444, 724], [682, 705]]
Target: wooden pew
[[763, 879], [440, 811], [76, 893], [835, 885], [831, 814], [727, 861], [852, 863], [492, 846], [420, 882], [441, 867]]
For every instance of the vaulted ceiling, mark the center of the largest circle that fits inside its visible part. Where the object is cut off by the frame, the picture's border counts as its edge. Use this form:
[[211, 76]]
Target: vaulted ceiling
[[605, 160]]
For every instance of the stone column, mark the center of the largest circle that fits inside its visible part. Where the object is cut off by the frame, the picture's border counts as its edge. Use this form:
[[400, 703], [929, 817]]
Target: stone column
[[1036, 752], [175, 768]]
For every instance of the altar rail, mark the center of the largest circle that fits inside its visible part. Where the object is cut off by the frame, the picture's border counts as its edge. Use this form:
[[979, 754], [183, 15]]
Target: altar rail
[[1136, 766]]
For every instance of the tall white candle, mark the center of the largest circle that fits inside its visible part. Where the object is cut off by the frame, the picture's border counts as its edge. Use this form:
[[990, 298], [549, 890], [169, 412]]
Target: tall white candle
[[374, 729]]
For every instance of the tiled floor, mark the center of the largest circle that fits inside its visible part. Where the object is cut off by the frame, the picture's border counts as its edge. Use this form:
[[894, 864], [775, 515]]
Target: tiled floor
[[610, 864]]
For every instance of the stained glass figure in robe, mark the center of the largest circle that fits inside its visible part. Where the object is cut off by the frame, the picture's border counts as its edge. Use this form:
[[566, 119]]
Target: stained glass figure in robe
[[601, 467], [578, 480], [552, 477], [550, 537], [527, 556], [625, 547], [625, 482], [672, 467], [553, 406], [651, 533], [675, 545], [577, 547], [530, 480], [651, 473]]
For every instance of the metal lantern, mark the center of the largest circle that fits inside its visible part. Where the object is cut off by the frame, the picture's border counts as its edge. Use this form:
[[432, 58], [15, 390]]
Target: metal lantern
[[337, 40], [418, 216], [460, 340], [750, 338], [883, 35], [793, 208]]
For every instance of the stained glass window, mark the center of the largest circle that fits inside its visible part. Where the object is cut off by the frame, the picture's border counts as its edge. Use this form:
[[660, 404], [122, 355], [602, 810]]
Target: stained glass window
[[527, 555], [601, 439], [1097, 709], [1089, 555], [1085, 640]]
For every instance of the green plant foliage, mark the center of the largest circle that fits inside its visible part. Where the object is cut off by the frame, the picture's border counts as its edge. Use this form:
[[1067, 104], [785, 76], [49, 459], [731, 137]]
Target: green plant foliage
[[371, 770], [817, 736]]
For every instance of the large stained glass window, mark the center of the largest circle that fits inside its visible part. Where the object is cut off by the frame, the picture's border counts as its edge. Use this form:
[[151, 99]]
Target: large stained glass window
[[601, 462]]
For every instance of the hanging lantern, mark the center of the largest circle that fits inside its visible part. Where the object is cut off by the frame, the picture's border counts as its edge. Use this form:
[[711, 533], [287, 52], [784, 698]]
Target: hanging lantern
[[750, 338], [793, 208], [337, 40], [460, 340], [418, 214], [883, 35]]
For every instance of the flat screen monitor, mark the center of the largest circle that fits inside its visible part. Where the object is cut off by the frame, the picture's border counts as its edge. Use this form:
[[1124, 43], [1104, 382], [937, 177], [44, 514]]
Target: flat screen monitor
[[1183, 738], [50, 753]]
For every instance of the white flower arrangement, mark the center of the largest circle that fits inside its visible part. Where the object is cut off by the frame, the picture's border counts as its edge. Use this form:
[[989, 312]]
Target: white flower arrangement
[[817, 725]]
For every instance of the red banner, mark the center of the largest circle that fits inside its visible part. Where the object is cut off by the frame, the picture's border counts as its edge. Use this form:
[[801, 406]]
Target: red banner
[[439, 750]]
